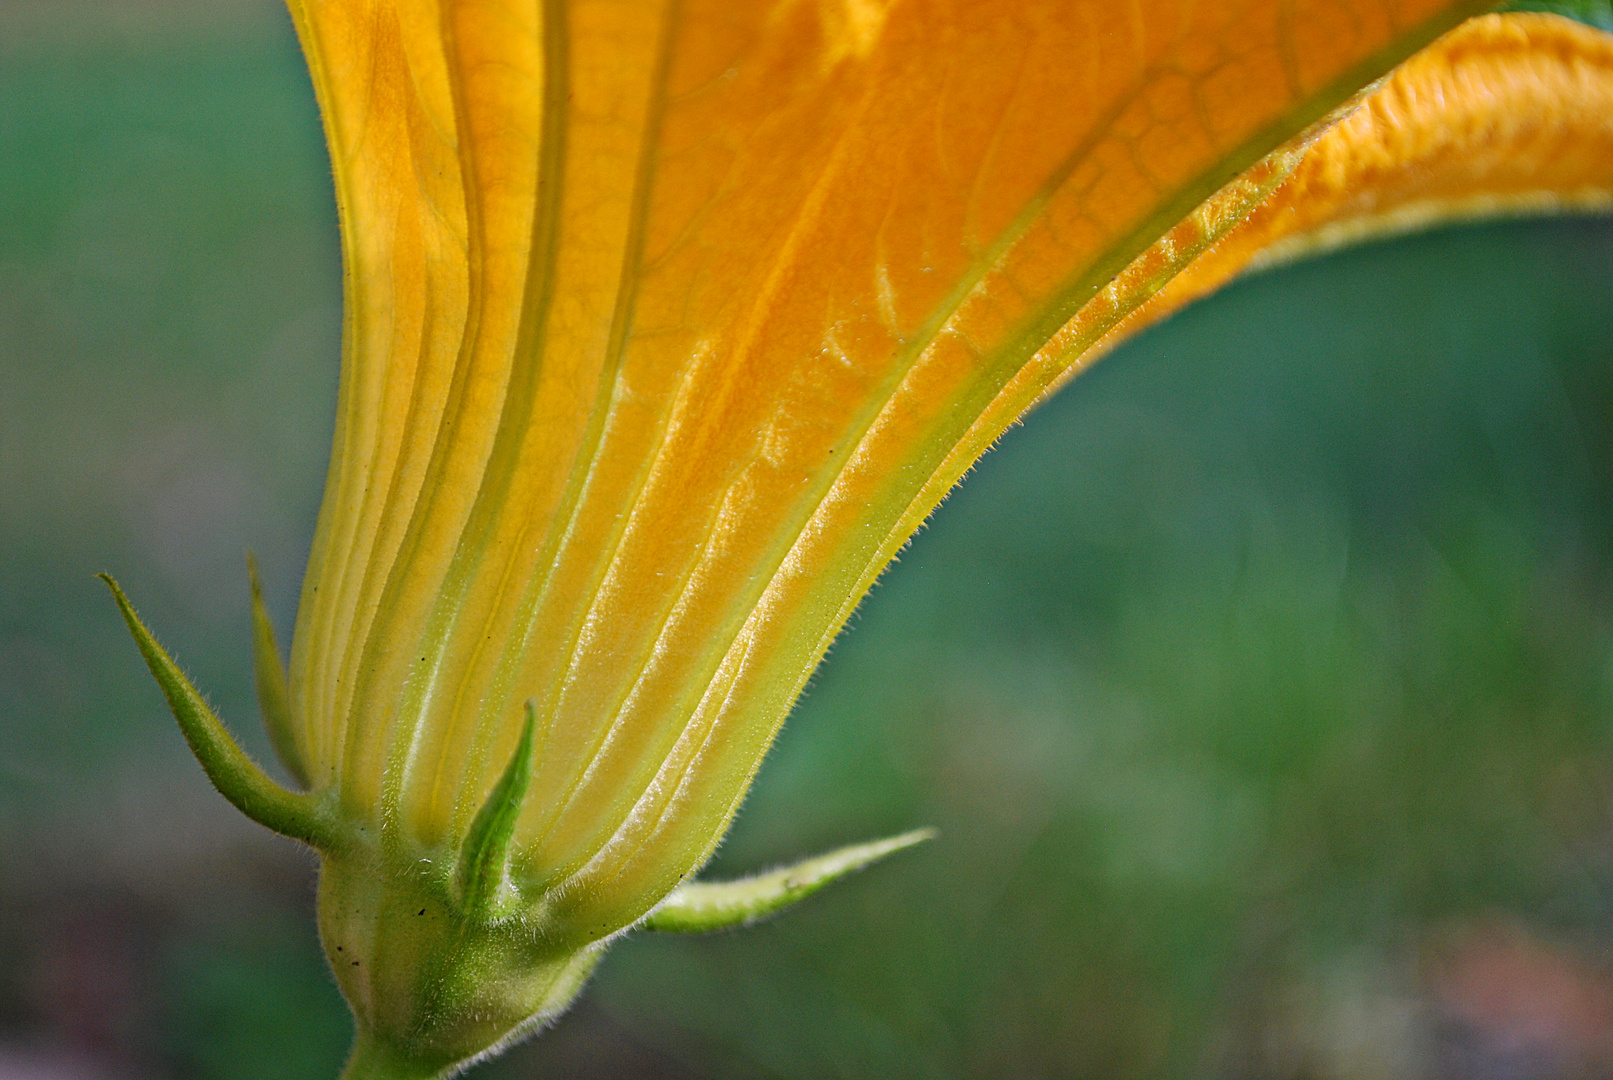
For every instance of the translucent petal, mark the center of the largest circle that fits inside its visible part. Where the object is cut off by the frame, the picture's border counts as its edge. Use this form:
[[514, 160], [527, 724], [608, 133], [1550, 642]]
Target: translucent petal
[[669, 322]]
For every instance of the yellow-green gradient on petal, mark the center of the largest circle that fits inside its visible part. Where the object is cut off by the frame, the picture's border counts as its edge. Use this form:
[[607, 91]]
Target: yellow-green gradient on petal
[[667, 324]]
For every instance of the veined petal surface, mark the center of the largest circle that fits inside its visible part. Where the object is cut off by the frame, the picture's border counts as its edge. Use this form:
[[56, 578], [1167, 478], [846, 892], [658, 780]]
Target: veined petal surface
[[668, 322], [1504, 115]]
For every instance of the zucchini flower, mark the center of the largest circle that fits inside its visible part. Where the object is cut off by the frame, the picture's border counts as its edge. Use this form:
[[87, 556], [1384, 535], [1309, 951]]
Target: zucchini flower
[[667, 324]]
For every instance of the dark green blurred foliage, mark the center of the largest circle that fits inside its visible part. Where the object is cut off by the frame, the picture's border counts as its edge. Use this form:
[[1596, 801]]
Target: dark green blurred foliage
[[1597, 13], [251, 1000], [1261, 684]]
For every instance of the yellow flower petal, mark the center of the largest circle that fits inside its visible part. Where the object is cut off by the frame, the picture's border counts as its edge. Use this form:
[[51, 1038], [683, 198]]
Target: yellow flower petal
[[669, 322], [1506, 114]]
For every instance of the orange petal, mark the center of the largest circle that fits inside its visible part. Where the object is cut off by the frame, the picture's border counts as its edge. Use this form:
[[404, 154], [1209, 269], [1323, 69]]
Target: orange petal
[[1507, 114], [669, 321]]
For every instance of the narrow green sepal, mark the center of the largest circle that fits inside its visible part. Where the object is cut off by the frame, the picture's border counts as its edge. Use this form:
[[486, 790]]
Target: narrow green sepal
[[274, 701], [484, 857], [700, 906], [236, 776]]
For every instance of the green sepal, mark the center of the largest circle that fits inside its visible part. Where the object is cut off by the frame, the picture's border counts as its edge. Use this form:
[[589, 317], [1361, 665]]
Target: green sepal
[[236, 776], [700, 906], [269, 675], [484, 857]]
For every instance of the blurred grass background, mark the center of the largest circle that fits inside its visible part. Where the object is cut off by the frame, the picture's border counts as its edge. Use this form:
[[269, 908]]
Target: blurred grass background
[[1261, 684]]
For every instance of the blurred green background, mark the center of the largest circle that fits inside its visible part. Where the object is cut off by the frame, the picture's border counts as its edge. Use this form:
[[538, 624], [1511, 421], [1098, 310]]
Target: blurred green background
[[1261, 685]]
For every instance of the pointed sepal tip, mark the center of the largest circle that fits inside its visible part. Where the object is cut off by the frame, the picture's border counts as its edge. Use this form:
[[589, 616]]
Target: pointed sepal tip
[[269, 677], [700, 906], [485, 854], [236, 776]]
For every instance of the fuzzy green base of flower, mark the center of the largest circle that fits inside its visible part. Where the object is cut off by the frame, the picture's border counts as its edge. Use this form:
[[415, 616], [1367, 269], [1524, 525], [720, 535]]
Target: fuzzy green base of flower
[[433, 989], [443, 958]]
